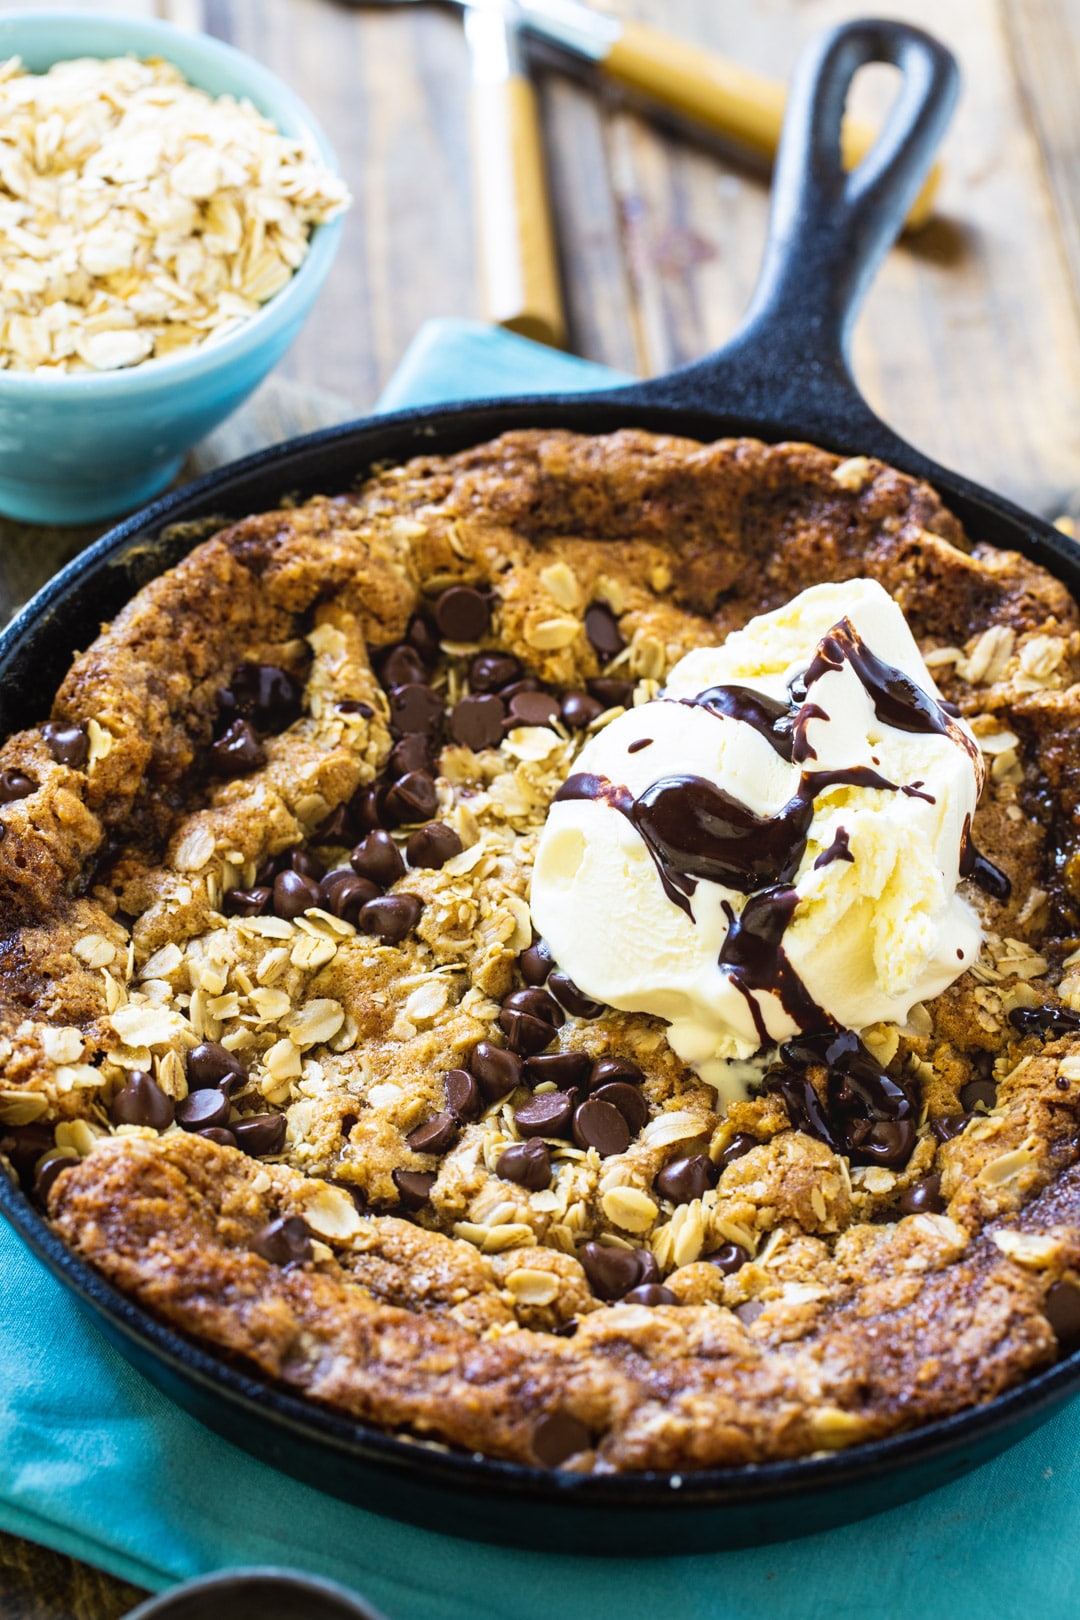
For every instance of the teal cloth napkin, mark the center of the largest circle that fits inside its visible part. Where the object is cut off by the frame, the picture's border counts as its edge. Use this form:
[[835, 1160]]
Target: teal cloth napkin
[[94, 1462]]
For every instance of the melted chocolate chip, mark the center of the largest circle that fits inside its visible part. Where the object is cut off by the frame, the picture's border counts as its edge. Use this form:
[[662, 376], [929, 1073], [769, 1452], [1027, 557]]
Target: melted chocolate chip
[[294, 894], [200, 1110], [463, 1095], [354, 706], [211, 1064], [269, 697], [411, 798], [497, 1072], [284, 1242], [342, 893], [462, 613], [68, 744], [629, 1101], [650, 1294], [983, 873], [402, 666], [141, 1101], [390, 917], [421, 636], [600, 1125], [1062, 1308], [24, 1145], [432, 846], [609, 1069], [728, 1259], [415, 707], [613, 1272], [365, 807], [526, 1163], [976, 1092], [683, 1180], [533, 709], [15, 785], [537, 1002], [546, 1115], [477, 722], [739, 1144], [378, 859], [260, 1134], [413, 752], [525, 1034], [1045, 1020], [307, 864], [602, 629], [246, 902], [576, 1002], [567, 1071], [923, 1197], [535, 963], [579, 710], [557, 1436], [237, 751], [612, 693], [49, 1173], [491, 671], [436, 1135], [218, 1134], [946, 1126], [414, 1186], [867, 1115]]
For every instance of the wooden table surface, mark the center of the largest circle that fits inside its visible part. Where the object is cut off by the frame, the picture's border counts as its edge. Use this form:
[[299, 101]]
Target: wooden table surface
[[969, 345]]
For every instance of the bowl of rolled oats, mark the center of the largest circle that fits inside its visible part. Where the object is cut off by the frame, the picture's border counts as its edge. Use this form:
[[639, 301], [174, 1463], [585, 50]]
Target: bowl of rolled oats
[[169, 211]]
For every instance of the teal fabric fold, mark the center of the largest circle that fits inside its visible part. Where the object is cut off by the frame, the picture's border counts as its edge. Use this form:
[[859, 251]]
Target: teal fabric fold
[[96, 1463]]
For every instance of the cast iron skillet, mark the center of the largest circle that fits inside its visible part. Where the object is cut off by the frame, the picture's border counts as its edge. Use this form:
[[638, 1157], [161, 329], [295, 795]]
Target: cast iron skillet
[[785, 375]]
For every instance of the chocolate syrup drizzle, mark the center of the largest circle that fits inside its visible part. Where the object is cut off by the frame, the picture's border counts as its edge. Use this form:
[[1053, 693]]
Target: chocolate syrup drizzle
[[695, 830]]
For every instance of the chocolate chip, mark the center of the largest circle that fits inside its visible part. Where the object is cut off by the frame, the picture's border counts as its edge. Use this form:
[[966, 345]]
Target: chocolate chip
[[246, 902], [141, 1101], [566, 1070], [536, 1001], [606, 1070], [50, 1170], [432, 846], [602, 629], [15, 785], [978, 1091], [24, 1146], [365, 807], [536, 962], [463, 1095], [1062, 1308], [402, 666], [629, 1101], [411, 798], [260, 1134], [200, 1110], [526, 1163], [390, 917], [576, 1002], [477, 722], [650, 1294], [462, 613], [342, 893], [533, 709], [567, 1330], [749, 1311], [284, 1242], [613, 694], [611, 1272], [421, 636], [307, 864], [354, 706], [436, 1135], [525, 1034], [923, 1197], [237, 751], [946, 1126], [294, 894], [546, 1115], [731, 1257], [556, 1437], [528, 684], [599, 1125], [355, 1193], [496, 1071], [378, 859], [337, 830], [412, 752], [211, 1064], [218, 1134], [736, 1146], [414, 1186], [68, 745], [269, 697], [882, 1141], [580, 710], [490, 671], [415, 707], [683, 1180]]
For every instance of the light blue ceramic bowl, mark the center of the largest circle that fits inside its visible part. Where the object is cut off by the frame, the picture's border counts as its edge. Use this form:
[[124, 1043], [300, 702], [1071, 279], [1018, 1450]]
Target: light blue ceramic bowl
[[90, 445]]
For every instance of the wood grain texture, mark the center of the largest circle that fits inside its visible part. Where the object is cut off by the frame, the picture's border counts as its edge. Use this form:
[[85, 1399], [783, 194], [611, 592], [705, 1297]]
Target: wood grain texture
[[969, 344]]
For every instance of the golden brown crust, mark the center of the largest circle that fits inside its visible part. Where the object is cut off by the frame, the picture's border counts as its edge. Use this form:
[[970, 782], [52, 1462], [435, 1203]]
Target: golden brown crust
[[116, 956]]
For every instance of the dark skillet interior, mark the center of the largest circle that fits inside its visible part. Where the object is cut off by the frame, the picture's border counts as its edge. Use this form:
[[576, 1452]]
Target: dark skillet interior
[[785, 375]]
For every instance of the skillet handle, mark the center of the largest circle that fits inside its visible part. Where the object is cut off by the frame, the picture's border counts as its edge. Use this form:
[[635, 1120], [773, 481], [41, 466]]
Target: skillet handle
[[788, 364]]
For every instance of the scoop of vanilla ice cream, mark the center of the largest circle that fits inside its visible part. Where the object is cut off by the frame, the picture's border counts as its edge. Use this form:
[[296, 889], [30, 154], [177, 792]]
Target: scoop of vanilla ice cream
[[876, 927]]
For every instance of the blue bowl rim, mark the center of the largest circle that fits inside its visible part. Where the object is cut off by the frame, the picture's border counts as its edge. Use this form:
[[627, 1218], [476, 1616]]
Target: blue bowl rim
[[277, 101]]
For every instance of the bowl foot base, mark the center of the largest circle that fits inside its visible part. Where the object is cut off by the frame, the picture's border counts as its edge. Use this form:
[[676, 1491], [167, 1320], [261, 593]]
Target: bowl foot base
[[59, 501]]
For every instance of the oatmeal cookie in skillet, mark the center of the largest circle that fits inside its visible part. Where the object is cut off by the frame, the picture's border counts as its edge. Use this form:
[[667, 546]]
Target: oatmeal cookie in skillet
[[283, 1058]]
